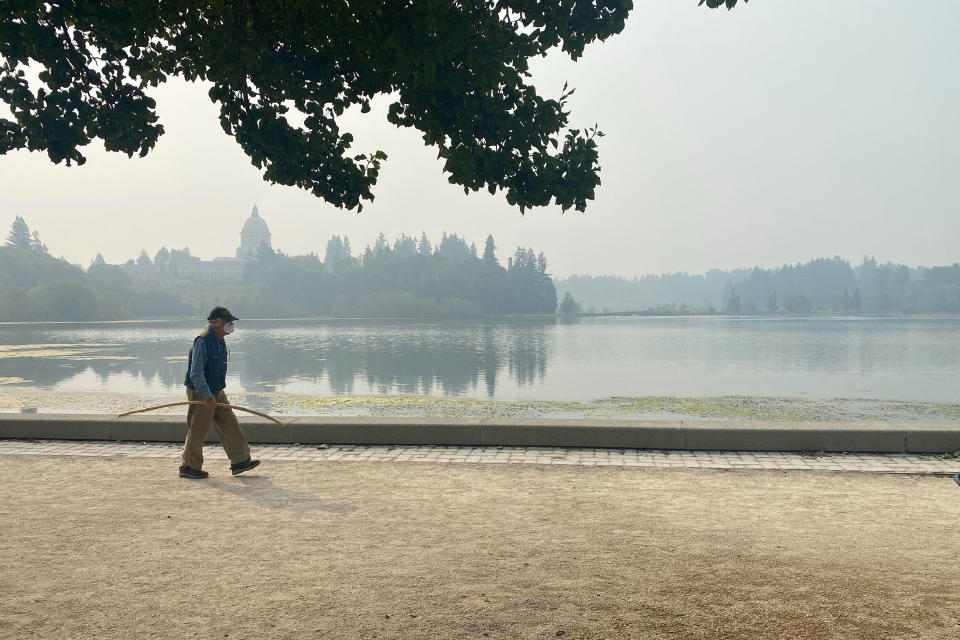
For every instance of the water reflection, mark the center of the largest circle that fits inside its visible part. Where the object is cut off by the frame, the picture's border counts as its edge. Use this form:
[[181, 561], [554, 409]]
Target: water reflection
[[313, 357], [907, 358]]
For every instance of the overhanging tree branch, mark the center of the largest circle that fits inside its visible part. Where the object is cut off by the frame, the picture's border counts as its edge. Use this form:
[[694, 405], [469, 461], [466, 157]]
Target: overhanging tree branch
[[459, 71]]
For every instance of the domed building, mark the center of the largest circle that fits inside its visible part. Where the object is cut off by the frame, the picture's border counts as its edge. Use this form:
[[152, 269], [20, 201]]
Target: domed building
[[255, 233]]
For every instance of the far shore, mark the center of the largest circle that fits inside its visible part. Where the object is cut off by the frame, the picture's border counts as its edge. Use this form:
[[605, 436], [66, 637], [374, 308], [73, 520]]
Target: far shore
[[542, 317]]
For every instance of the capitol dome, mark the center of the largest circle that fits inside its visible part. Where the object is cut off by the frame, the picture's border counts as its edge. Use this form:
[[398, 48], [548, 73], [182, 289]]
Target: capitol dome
[[255, 233]]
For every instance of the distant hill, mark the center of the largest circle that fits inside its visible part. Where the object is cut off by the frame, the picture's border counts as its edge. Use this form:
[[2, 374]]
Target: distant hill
[[820, 285]]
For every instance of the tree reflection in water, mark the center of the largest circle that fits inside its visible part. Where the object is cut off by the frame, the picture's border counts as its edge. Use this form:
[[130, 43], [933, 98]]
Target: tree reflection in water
[[310, 356]]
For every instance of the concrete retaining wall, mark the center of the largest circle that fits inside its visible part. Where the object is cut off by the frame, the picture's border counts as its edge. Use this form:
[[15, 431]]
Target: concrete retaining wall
[[717, 436]]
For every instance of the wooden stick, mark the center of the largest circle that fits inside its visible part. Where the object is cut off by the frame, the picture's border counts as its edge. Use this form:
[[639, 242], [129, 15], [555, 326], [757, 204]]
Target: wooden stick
[[219, 404]]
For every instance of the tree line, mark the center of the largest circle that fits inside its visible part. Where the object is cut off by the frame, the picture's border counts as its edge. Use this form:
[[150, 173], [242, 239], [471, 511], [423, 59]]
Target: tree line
[[37, 286], [820, 285], [410, 277], [414, 277]]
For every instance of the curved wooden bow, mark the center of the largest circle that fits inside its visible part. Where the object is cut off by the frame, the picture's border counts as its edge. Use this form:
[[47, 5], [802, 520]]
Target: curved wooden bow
[[219, 404]]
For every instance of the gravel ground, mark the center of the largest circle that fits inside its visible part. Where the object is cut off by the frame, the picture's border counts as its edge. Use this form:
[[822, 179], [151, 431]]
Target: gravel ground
[[122, 548]]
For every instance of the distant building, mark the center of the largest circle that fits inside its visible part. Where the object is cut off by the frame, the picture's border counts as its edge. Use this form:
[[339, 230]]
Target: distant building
[[216, 269], [255, 234]]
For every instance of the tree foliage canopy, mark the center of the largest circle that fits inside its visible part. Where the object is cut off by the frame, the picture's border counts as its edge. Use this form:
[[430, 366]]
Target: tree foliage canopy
[[21, 237], [398, 279], [713, 4], [283, 71]]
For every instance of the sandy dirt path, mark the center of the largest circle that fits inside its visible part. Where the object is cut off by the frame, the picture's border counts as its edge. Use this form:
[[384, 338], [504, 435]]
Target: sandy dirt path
[[122, 548]]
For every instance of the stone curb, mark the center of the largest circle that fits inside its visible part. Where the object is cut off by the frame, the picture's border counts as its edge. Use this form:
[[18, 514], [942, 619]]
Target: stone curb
[[540, 432]]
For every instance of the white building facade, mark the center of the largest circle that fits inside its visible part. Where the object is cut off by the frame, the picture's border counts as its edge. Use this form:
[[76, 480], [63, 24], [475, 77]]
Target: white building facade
[[254, 235]]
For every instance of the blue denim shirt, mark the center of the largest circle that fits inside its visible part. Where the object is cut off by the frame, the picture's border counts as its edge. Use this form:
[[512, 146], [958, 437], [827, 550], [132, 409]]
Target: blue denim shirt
[[196, 369]]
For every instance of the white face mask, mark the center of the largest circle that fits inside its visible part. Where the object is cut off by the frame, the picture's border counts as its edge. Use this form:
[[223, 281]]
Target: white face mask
[[228, 328]]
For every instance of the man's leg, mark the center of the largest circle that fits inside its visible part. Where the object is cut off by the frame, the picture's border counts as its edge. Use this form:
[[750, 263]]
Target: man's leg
[[199, 419], [228, 429]]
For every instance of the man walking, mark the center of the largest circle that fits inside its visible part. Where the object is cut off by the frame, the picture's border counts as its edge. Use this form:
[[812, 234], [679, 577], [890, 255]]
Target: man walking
[[206, 379]]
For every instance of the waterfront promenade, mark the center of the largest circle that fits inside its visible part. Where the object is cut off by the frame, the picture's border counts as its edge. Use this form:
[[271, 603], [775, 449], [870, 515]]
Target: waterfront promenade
[[103, 540], [905, 463]]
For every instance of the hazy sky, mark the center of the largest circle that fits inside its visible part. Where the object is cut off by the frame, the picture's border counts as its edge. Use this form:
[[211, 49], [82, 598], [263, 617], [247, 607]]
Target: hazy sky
[[777, 132]]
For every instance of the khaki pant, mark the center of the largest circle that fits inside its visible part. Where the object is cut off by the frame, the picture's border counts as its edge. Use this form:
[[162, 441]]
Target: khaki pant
[[199, 419]]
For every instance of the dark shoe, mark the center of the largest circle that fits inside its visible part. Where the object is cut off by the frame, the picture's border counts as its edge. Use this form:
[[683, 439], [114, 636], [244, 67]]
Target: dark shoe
[[246, 465], [197, 474]]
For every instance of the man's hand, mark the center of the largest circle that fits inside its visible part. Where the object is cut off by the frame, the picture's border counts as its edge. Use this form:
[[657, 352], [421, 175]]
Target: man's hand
[[211, 402]]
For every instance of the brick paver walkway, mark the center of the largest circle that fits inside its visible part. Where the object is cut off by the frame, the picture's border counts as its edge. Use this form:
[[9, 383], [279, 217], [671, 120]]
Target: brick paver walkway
[[928, 464]]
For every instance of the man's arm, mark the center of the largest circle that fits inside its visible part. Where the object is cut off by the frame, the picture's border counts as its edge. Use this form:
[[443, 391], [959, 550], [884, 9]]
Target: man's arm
[[196, 369]]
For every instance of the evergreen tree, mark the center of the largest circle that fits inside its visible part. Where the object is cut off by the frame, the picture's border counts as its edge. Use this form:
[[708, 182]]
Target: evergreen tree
[[19, 234], [335, 251], [162, 258], [381, 246], [489, 252], [405, 246], [424, 247], [161, 262], [548, 295], [519, 260], [546, 288], [36, 244], [454, 248], [772, 303]]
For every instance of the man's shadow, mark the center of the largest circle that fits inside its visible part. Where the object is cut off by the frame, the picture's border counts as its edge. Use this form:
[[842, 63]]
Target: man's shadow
[[266, 493]]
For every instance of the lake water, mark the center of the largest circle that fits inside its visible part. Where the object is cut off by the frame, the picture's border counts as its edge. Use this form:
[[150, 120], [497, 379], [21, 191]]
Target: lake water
[[903, 358]]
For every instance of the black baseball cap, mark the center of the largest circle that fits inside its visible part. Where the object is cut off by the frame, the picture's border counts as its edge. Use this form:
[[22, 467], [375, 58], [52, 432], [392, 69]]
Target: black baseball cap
[[222, 313]]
